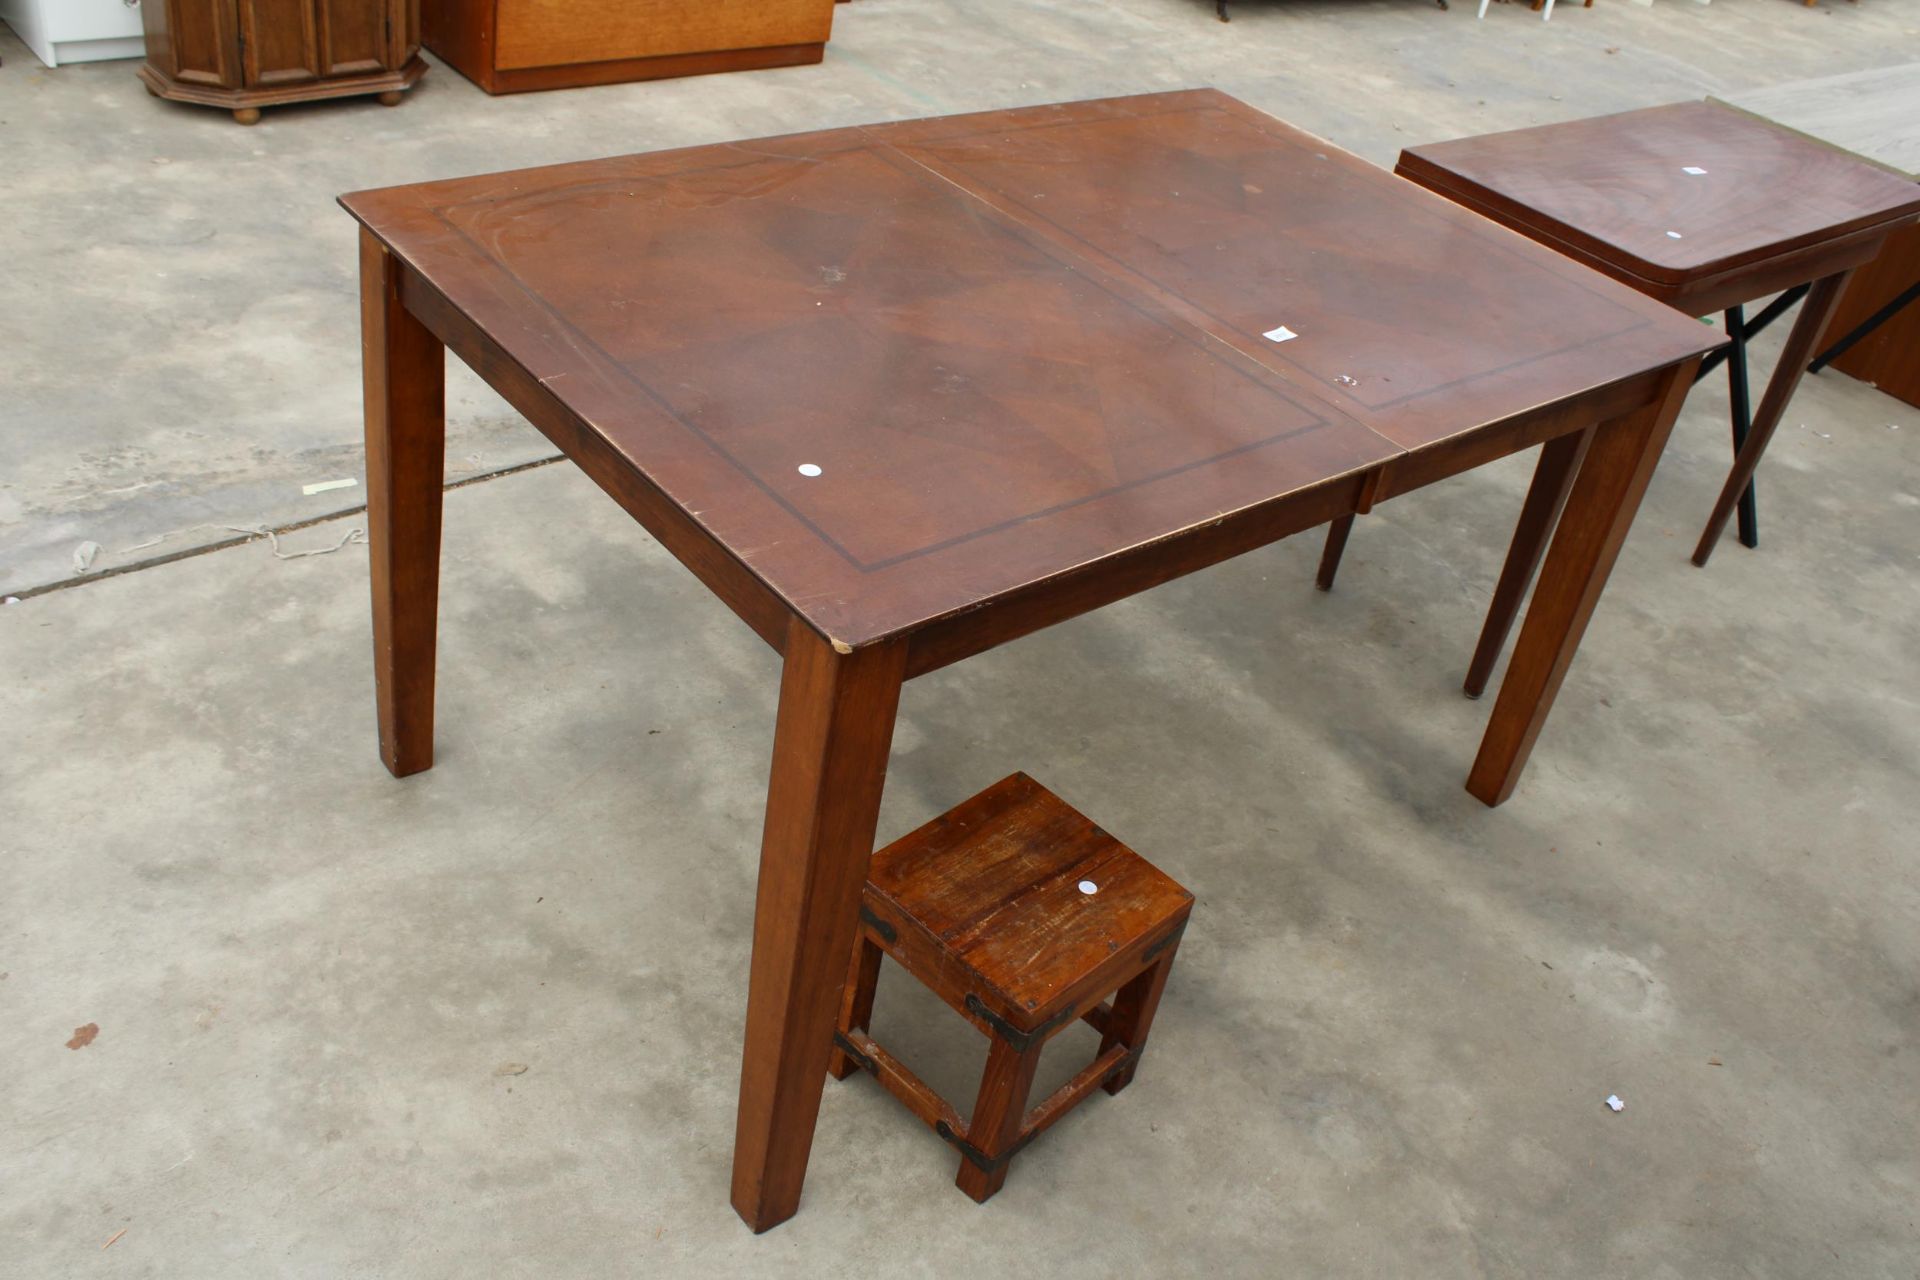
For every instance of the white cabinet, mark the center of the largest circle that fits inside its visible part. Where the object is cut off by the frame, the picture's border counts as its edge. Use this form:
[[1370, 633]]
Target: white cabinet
[[76, 30]]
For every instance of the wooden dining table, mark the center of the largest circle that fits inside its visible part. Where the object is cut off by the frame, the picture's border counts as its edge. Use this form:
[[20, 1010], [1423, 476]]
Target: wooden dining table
[[900, 394]]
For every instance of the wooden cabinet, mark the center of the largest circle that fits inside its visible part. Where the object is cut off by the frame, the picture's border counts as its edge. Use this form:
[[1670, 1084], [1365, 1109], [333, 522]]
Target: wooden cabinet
[[248, 54], [506, 46]]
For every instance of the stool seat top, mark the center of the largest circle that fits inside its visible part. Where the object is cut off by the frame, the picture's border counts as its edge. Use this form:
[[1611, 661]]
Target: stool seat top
[[1667, 195], [1029, 894]]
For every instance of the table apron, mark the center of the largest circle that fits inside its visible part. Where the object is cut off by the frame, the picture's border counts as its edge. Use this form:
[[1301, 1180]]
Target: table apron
[[1038, 605], [1475, 449], [1758, 280]]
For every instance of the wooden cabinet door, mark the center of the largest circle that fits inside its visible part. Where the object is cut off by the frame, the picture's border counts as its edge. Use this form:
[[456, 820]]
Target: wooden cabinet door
[[195, 41], [278, 42], [358, 36]]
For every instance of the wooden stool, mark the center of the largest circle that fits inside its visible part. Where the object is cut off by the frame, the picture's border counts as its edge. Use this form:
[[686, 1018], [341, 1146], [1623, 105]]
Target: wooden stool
[[1023, 915]]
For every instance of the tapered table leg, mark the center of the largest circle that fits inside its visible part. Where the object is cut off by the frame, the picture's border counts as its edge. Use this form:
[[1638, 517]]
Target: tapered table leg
[[1815, 312], [1552, 481], [1337, 531], [1606, 493], [404, 372], [830, 747]]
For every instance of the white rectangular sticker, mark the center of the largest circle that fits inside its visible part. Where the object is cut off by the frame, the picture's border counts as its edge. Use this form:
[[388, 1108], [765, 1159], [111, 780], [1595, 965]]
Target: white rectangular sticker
[[1695, 170], [1282, 334]]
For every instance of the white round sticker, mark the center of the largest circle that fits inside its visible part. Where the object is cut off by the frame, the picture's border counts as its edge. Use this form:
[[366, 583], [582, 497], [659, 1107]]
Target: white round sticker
[[809, 469], [1088, 886]]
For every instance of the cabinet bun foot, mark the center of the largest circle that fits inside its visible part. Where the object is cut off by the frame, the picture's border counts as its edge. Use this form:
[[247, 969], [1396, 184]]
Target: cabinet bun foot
[[247, 115], [391, 98]]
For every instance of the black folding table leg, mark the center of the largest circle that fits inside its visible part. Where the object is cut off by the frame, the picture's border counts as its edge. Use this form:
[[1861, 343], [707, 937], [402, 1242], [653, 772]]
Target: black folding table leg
[[1737, 334], [1866, 327], [1768, 314]]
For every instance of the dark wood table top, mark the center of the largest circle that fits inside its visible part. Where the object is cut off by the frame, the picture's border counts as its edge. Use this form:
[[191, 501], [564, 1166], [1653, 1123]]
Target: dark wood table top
[[1621, 191], [897, 372]]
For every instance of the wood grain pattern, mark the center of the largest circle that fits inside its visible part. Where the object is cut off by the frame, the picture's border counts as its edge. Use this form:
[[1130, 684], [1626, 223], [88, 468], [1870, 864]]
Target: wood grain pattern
[[1043, 405], [1610, 189], [1016, 413], [1606, 492], [1546, 498], [403, 370], [1022, 915], [1131, 1019], [518, 46], [985, 899], [1768, 211], [243, 55], [999, 1113], [664, 67], [830, 748], [546, 33]]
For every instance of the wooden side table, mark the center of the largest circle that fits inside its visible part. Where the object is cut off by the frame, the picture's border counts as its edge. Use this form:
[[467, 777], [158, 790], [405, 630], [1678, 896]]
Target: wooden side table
[[252, 54], [1700, 207], [1024, 917]]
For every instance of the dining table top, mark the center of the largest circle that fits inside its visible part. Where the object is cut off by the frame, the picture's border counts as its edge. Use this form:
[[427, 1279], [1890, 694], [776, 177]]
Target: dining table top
[[896, 372]]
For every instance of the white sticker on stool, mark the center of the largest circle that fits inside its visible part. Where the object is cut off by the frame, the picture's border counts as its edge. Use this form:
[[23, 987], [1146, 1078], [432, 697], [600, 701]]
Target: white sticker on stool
[[1089, 887], [809, 469], [1280, 334], [1694, 169], [1673, 235]]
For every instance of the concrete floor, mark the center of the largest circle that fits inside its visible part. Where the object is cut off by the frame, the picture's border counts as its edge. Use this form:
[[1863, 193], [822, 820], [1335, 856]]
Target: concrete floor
[[1386, 1045]]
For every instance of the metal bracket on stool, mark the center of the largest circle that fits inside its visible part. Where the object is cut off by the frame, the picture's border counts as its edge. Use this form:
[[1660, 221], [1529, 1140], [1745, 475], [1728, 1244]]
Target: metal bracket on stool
[[976, 1157], [987, 1164], [1013, 1035], [886, 931], [860, 1060]]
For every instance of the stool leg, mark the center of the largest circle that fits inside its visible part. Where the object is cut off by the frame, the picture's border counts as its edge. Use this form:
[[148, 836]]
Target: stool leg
[[856, 1007], [1336, 547], [1133, 1010], [998, 1114]]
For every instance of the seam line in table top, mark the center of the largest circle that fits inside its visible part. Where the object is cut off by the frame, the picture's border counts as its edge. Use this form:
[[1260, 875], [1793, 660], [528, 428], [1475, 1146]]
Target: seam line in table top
[[1018, 223], [1099, 254], [1014, 230]]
